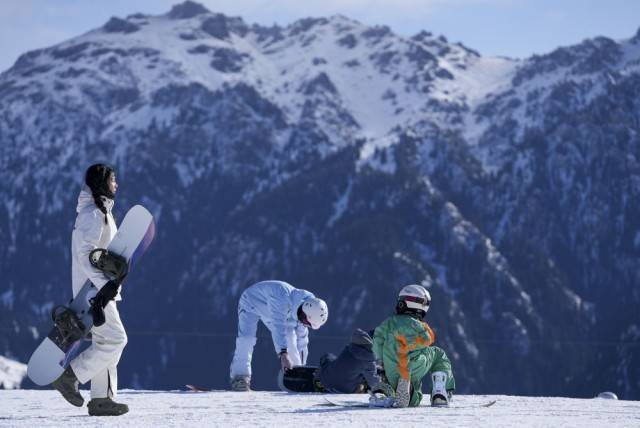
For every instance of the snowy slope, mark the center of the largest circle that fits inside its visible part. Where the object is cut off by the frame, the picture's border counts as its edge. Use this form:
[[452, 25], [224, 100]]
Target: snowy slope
[[353, 80], [11, 373], [176, 408]]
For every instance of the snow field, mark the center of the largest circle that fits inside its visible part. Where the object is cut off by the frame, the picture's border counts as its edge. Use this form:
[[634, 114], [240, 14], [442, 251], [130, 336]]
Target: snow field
[[257, 409]]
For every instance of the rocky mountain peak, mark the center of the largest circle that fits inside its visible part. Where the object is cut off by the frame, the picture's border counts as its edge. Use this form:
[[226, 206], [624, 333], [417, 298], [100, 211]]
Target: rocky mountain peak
[[187, 9], [117, 25], [636, 38]]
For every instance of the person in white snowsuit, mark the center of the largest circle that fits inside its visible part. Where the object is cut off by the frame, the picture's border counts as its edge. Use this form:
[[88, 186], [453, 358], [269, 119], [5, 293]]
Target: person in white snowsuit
[[287, 312], [94, 228]]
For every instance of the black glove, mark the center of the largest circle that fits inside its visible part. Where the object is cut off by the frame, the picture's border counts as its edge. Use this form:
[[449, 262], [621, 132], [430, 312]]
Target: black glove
[[108, 292], [97, 313]]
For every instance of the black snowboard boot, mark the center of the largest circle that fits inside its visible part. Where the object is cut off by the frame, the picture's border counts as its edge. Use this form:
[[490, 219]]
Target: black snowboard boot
[[106, 407], [67, 385]]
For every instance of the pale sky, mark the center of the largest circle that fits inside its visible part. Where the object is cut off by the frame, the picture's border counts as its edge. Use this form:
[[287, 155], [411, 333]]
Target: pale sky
[[514, 28]]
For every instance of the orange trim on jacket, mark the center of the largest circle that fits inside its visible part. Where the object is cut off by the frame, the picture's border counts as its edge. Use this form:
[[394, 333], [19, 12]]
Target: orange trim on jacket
[[405, 348]]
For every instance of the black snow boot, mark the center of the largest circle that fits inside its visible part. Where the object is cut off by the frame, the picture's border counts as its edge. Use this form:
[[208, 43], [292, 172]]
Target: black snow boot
[[106, 407], [67, 385]]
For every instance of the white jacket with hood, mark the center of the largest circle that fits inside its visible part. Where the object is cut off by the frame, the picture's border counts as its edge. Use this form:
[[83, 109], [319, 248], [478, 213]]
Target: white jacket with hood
[[276, 303], [90, 232]]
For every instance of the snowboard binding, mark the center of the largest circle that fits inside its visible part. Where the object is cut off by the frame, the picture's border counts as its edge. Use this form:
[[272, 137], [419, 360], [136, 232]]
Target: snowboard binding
[[300, 379], [69, 326], [383, 395], [113, 265]]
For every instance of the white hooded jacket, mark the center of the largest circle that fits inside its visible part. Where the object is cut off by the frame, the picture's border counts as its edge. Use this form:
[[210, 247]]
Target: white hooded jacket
[[277, 303], [90, 232]]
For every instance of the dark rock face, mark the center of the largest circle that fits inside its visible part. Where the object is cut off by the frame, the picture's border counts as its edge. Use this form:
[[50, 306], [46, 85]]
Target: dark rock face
[[228, 60], [71, 53], [216, 26], [377, 34], [527, 237], [349, 41], [636, 38], [305, 25], [272, 34], [187, 9], [223, 60], [117, 25], [320, 83], [591, 56]]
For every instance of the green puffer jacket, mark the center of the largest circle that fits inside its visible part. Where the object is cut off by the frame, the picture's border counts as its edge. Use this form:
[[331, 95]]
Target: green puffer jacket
[[403, 344]]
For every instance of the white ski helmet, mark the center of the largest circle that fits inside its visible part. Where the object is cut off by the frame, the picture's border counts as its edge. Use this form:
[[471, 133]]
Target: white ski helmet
[[315, 311], [415, 297]]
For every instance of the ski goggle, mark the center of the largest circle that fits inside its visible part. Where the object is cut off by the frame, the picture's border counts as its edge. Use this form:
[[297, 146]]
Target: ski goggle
[[418, 300]]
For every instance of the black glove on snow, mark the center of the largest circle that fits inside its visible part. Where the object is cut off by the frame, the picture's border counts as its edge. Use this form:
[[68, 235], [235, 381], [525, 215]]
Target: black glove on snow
[[108, 292]]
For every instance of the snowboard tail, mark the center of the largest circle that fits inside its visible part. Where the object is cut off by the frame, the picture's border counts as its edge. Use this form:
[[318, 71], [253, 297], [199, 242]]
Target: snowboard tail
[[195, 388]]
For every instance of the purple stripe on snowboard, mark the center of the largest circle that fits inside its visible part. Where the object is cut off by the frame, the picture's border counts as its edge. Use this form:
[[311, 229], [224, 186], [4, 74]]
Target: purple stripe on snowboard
[[71, 353], [143, 245]]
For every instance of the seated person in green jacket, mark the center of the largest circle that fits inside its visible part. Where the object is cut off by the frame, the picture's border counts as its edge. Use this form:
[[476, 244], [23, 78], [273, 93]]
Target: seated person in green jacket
[[402, 346]]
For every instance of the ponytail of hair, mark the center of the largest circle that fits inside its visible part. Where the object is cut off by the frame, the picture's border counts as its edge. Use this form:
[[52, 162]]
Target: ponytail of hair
[[97, 199]]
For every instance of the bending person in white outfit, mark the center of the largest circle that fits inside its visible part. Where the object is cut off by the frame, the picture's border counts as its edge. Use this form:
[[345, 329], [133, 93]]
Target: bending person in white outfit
[[95, 227], [287, 312]]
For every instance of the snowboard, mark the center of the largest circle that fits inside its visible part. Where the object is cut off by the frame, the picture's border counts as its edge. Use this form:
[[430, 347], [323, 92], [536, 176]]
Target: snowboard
[[365, 403], [56, 351], [194, 388], [300, 379]]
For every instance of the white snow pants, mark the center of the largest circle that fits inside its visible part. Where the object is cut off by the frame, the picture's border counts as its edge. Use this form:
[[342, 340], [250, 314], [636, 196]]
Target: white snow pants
[[98, 362], [246, 340]]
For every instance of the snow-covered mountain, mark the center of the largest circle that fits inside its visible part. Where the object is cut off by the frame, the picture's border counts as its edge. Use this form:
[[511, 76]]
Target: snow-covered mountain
[[347, 160], [11, 373]]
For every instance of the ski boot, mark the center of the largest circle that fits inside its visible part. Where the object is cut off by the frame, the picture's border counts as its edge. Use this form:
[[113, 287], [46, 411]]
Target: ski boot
[[106, 407], [439, 394], [241, 383], [67, 385]]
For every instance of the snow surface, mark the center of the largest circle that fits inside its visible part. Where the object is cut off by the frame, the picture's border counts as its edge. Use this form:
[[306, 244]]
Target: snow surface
[[11, 373], [222, 408]]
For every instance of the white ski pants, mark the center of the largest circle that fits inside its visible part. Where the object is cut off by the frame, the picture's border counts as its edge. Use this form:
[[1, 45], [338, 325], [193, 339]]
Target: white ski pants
[[246, 340], [98, 362]]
